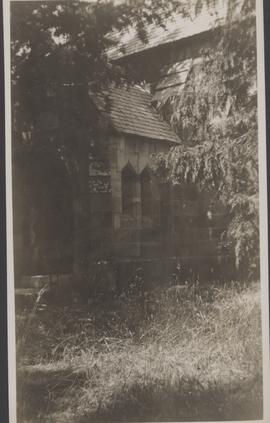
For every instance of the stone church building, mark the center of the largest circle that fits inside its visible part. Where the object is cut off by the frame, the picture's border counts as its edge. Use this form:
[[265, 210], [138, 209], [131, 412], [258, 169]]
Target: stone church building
[[124, 214]]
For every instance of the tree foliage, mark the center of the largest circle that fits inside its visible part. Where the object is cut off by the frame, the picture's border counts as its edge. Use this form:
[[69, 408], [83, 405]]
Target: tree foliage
[[59, 63], [216, 117]]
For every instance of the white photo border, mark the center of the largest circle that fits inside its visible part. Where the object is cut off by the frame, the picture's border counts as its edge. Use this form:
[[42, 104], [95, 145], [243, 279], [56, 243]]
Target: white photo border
[[264, 275]]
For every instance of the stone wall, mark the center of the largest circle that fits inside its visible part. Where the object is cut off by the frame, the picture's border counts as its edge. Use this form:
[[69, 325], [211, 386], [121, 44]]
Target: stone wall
[[184, 225], [168, 224]]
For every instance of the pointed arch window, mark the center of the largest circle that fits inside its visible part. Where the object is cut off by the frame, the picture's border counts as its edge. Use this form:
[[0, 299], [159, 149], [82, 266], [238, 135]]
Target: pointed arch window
[[147, 194], [129, 180]]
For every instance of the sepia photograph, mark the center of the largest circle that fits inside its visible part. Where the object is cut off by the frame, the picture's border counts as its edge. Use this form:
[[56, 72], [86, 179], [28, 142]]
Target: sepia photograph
[[137, 211]]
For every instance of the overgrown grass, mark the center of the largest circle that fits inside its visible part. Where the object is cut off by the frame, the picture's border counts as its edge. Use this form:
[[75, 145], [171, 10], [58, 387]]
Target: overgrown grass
[[194, 357]]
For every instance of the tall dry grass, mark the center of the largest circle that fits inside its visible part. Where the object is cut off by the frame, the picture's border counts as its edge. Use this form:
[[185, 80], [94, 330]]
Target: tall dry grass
[[192, 357]]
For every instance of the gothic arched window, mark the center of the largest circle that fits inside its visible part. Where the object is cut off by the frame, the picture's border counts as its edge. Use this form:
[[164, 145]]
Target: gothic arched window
[[147, 194], [129, 179]]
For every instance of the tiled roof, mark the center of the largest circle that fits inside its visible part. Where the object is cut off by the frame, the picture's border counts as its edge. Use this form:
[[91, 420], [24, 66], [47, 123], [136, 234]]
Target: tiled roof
[[177, 28], [130, 112]]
